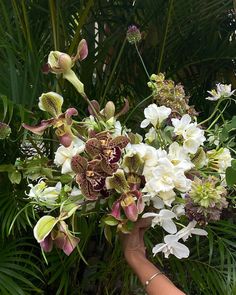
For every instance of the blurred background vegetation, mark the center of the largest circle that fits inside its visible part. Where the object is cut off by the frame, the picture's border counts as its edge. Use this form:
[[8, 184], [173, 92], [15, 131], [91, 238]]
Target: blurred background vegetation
[[192, 41]]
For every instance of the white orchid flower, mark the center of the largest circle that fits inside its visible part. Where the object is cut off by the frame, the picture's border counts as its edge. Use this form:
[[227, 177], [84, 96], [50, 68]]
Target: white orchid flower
[[155, 115], [64, 155], [48, 195], [222, 90], [164, 219], [171, 246], [190, 230]]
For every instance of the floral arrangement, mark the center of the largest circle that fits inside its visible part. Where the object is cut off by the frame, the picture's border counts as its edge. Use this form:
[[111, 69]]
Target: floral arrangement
[[173, 170]]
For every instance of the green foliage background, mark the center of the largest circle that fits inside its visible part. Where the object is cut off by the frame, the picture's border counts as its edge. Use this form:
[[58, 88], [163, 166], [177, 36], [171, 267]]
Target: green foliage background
[[192, 41]]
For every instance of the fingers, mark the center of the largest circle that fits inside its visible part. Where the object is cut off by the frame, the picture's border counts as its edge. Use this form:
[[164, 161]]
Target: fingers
[[143, 223]]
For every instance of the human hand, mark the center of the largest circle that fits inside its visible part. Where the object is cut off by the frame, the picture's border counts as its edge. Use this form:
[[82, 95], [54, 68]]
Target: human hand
[[133, 242]]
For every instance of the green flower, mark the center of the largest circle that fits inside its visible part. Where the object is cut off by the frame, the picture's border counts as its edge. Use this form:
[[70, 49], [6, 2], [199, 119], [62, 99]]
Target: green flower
[[206, 192]]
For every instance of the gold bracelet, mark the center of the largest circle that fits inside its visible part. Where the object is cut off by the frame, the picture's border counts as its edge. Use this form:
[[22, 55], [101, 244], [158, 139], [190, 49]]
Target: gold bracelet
[[151, 278]]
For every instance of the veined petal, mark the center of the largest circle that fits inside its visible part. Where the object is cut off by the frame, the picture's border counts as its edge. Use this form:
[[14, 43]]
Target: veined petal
[[43, 227], [51, 102]]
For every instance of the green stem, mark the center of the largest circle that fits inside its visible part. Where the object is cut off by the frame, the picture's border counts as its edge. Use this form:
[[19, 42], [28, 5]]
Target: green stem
[[53, 20], [213, 114], [135, 108], [113, 72], [145, 69], [217, 118], [165, 36]]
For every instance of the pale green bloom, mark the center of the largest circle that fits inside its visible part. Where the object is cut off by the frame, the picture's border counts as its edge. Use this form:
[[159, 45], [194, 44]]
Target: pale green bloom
[[206, 192]]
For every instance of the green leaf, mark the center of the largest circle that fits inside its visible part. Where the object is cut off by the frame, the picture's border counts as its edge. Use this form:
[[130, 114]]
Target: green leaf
[[7, 168], [107, 233], [15, 176], [233, 164], [230, 176], [110, 220]]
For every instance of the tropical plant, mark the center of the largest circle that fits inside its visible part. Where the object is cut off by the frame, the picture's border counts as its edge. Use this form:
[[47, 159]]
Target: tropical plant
[[191, 41]]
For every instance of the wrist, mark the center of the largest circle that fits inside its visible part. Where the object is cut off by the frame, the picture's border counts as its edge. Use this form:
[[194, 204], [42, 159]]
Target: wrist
[[134, 258]]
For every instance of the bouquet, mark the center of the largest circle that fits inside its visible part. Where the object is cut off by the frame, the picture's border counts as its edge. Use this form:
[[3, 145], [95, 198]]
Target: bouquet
[[173, 170]]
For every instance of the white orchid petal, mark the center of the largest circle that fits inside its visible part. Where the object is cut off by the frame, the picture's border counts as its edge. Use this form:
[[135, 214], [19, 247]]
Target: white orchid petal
[[199, 232], [180, 250], [169, 226]]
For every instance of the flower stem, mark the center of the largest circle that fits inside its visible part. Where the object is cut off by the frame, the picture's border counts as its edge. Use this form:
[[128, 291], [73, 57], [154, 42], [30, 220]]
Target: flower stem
[[145, 69]]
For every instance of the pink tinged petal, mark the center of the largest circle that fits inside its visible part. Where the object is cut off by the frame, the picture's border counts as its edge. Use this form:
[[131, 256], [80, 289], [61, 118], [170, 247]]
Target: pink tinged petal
[[39, 129], [131, 211], [82, 51], [124, 109], [47, 244], [66, 139], [115, 211], [46, 68], [70, 244], [96, 107], [71, 112], [140, 203], [60, 240]]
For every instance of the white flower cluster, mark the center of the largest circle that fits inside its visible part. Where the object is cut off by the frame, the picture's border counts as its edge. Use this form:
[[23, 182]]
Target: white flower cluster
[[165, 172]]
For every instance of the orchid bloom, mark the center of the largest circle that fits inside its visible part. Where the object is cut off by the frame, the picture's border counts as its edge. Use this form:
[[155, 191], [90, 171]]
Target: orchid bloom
[[51, 231], [164, 219], [62, 63], [130, 201], [190, 230], [47, 195], [51, 102], [222, 91], [171, 246]]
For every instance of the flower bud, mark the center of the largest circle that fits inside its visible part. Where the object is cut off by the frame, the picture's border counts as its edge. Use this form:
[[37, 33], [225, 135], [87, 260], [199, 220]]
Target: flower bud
[[59, 62], [109, 110], [133, 35]]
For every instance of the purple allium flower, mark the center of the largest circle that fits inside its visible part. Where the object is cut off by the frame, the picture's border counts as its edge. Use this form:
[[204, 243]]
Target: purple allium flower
[[133, 34]]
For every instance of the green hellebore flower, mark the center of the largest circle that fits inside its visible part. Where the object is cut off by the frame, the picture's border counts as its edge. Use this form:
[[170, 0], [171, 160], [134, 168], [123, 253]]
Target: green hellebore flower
[[206, 192]]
